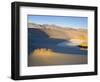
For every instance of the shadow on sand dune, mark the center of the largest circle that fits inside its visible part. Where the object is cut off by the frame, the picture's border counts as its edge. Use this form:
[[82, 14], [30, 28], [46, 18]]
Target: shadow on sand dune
[[39, 39]]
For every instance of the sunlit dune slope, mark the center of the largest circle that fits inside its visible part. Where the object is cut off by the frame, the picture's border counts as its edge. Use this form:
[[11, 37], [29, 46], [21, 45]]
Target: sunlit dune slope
[[70, 34]]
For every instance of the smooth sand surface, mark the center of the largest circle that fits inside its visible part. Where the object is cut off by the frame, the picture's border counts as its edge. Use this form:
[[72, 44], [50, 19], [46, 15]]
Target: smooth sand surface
[[56, 59]]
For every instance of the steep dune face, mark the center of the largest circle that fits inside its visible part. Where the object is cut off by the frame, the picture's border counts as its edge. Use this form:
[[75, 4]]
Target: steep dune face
[[73, 35], [65, 33], [56, 33]]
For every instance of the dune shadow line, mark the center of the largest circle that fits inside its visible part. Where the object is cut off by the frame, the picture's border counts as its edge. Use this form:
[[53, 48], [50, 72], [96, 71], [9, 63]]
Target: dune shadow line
[[37, 38]]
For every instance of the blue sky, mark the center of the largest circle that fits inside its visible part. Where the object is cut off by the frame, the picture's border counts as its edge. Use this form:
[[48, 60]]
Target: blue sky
[[65, 21]]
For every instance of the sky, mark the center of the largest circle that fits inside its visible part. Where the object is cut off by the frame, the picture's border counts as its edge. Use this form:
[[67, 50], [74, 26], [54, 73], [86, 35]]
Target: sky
[[64, 21]]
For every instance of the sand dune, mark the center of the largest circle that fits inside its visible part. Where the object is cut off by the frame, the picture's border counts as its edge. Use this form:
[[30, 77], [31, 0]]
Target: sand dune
[[57, 39], [58, 32]]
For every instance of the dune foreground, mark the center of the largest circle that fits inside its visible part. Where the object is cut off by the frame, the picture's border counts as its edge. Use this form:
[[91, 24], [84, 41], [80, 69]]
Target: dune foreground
[[54, 45], [57, 59]]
